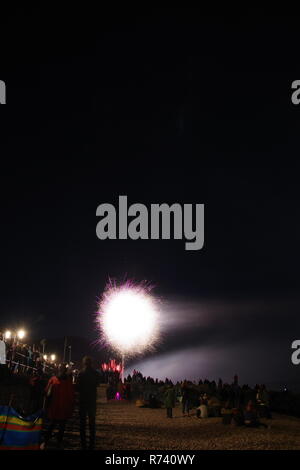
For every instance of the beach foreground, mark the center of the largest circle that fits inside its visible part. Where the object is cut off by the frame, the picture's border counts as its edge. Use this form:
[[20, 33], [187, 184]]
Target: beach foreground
[[123, 426]]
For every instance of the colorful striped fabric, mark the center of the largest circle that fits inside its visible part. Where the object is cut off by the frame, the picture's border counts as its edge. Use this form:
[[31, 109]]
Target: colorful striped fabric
[[18, 433]]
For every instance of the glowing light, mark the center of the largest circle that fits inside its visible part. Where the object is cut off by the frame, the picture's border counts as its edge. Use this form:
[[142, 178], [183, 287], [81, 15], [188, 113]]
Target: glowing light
[[52, 357], [128, 316], [7, 335], [111, 366], [45, 357], [21, 334]]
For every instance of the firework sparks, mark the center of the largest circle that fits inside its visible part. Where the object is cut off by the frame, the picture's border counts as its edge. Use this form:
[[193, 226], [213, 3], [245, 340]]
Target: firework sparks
[[111, 366], [128, 318]]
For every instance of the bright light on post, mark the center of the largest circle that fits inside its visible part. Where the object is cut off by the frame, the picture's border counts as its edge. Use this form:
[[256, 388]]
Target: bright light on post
[[7, 334], [52, 357], [21, 334], [45, 357]]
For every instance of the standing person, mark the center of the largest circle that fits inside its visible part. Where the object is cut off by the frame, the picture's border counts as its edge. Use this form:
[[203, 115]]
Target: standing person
[[170, 400], [120, 390], [37, 387], [29, 360], [60, 406], [263, 401], [2, 357], [87, 382], [185, 399], [128, 390]]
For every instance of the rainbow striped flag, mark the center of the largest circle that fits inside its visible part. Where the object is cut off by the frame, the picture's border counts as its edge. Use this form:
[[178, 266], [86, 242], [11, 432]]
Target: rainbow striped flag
[[19, 433]]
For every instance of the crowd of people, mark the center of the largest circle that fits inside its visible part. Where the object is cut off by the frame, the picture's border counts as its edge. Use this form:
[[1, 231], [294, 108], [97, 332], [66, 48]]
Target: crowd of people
[[54, 390], [57, 394], [60, 403], [20, 357], [241, 405]]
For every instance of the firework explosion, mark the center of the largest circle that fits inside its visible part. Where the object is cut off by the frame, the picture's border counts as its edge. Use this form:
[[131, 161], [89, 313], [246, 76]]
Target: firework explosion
[[128, 317]]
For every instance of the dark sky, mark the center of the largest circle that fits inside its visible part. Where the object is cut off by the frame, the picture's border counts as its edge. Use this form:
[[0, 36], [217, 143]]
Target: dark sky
[[164, 106]]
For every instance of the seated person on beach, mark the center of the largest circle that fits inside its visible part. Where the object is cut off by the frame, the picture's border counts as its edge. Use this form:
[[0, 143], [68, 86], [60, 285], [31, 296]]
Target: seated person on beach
[[214, 406], [238, 417], [202, 410], [251, 416], [226, 413]]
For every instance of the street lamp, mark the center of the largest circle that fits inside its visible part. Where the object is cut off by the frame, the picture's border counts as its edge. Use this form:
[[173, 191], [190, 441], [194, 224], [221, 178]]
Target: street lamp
[[52, 357], [7, 334], [45, 357], [21, 334]]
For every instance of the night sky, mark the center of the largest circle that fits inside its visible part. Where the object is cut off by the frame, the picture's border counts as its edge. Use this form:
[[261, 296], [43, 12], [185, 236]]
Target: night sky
[[164, 106]]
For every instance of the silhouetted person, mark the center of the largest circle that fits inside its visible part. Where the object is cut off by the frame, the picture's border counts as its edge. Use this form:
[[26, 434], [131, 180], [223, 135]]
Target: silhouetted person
[[88, 380], [60, 403], [186, 398], [170, 399]]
